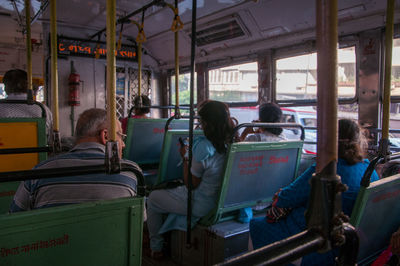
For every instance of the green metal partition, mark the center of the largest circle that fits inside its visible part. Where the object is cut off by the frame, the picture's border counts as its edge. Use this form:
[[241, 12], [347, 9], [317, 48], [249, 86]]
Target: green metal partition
[[376, 216], [170, 167], [254, 171], [19, 133], [99, 233], [145, 138]]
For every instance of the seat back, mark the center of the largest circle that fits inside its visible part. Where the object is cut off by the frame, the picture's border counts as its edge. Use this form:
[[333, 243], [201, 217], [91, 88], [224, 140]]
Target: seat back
[[145, 138], [99, 233], [170, 167], [254, 171], [19, 133], [376, 216]]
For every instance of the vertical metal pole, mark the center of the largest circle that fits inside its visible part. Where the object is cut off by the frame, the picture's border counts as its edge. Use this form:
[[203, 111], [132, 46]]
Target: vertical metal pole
[[325, 199], [54, 68], [192, 73], [28, 43], [176, 35], [140, 69], [388, 72], [111, 102], [327, 39]]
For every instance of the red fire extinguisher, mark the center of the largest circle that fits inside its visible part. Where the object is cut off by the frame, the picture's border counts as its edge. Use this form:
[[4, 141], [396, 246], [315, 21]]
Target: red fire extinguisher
[[73, 82]]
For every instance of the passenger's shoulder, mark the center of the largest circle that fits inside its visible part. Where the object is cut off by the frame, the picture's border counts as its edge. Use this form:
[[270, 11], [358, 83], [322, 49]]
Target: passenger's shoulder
[[202, 149]]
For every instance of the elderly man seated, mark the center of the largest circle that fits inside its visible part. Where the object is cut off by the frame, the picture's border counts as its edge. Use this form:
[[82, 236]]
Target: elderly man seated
[[91, 136]]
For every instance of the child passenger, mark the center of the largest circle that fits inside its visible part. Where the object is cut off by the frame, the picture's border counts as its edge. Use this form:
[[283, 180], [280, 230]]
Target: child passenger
[[292, 200], [267, 113], [207, 166]]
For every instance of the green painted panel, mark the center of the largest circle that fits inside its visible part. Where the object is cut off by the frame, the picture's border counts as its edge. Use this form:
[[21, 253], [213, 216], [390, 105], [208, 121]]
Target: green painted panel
[[98, 233]]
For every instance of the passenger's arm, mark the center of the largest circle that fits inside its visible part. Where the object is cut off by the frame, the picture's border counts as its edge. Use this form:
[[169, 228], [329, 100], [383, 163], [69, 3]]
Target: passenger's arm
[[296, 194], [195, 180], [21, 201]]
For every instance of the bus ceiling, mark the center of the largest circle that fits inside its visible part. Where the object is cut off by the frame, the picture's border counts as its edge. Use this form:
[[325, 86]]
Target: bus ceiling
[[243, 26]]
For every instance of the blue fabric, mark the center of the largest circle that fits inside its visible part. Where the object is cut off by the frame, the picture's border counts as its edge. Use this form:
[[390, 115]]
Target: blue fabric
[[202, 149], [296, 196], [245, 215]]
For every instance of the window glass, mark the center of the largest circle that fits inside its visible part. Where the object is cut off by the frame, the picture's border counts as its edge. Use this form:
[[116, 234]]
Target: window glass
[[395, 88], [296, 76], [3, 94], [184, 89], [238, 83]]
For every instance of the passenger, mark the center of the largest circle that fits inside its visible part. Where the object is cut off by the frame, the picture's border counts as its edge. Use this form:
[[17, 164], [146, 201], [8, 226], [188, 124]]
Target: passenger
[[140, 112], [267, 113], [286, 216], [16, 87], [91, 136], [207, 165]]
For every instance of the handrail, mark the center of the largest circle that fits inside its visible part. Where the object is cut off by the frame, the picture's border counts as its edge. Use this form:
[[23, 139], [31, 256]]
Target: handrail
[[270, 125], [25, 150], [281, 252], [70, 171], [176, 117], [162, 107]]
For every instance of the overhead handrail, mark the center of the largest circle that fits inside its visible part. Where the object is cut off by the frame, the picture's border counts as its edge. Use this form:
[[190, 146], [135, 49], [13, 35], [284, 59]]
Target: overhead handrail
[[270, 125], [70, 171], [127, 17]]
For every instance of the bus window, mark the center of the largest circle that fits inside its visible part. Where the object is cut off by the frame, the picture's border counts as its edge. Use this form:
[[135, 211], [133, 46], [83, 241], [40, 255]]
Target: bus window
[[237, 83], [296, 76], [184, 89], [395, 88], [3, 94]]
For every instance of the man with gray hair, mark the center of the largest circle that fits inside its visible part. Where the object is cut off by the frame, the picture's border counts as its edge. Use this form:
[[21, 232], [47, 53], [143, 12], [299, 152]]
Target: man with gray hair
[[91, 137]]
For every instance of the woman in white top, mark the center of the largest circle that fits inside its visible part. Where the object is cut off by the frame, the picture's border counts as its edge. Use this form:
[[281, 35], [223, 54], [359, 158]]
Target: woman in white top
[[267, 113]]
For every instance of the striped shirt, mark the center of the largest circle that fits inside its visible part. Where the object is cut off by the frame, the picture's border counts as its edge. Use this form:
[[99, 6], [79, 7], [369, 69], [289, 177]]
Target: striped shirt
[[50, 192]]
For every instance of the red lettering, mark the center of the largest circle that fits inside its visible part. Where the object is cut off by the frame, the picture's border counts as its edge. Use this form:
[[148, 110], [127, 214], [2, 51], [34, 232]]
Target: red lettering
[[274, 160], [386, 196], [7, 193], [61, 47]]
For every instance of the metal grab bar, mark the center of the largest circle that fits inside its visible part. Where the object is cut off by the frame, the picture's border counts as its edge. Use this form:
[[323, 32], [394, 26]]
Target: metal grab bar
[[71, 171], [270, 125], [162, 107], [25, 150], [281, 252]]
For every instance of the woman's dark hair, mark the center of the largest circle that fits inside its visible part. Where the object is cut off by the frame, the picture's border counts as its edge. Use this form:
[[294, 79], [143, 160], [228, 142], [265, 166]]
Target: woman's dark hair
[[217, 124], [145, 102], [270, 113], [352, 143]]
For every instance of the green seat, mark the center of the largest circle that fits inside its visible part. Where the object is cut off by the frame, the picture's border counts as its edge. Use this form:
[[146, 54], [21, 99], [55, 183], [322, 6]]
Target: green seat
[[145, 139], [376, 216], [19, 133], [98, 233], [254, 171], [169, 167]]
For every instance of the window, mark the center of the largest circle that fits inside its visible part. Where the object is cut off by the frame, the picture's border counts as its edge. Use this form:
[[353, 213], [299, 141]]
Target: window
[[2, 91], [184, 89], [239, 83], [296, 76], [395, 88]]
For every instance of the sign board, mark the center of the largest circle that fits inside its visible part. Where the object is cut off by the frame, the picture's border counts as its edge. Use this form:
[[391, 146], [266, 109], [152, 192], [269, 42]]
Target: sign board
[[88, 48]]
